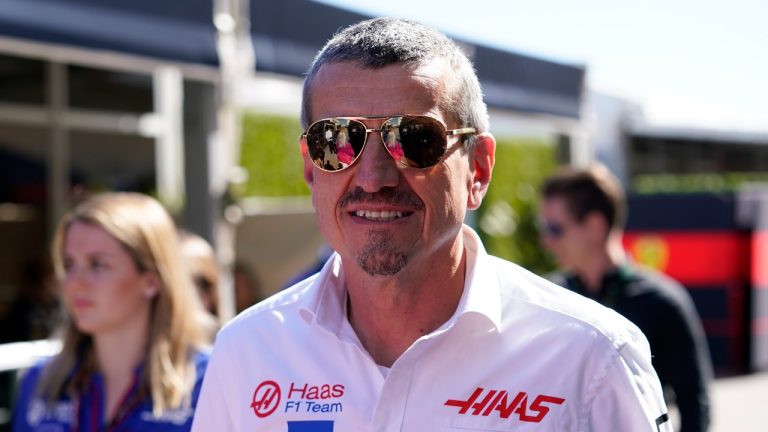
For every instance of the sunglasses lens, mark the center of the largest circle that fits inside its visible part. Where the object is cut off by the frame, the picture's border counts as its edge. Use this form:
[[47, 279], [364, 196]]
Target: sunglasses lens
[[422, 142], [414, 141], [334, 145]]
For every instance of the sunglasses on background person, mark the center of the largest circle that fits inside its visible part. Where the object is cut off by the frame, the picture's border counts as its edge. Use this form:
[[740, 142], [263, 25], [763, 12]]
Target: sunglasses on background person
[[415, 141], [551, 229]]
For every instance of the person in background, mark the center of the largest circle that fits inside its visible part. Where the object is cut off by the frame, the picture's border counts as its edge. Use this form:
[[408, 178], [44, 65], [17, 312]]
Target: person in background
[[133, 354], [411, 325], [200, 258], [248, 288], [321, 257], [582, 215]]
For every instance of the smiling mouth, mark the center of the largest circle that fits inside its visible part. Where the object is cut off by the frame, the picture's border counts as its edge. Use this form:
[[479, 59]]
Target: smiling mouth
[[381, 216]]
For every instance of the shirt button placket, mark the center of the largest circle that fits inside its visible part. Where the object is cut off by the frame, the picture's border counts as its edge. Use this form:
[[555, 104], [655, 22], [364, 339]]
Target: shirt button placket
[[390, 410]]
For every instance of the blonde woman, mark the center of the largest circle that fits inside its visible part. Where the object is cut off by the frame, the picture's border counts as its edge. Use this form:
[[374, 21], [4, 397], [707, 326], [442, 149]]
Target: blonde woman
[[132, 356]]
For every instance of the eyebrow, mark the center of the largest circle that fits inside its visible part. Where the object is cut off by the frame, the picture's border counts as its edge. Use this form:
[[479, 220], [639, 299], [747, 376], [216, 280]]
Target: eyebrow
[[97, 254]]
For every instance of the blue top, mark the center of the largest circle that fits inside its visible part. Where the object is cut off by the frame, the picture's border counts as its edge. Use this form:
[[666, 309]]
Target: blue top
[[87, 413]]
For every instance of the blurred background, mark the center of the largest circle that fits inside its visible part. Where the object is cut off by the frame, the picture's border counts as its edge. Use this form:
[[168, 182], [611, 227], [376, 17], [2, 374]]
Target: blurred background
[[196, 102]]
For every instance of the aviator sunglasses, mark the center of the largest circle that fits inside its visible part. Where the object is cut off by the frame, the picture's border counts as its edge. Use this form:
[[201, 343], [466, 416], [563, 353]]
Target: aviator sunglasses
[[415, 141], [551, 229]]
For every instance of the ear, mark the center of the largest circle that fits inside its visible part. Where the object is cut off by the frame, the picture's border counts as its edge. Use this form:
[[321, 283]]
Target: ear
[[482, 159], [151, 285], [597, 224], [309, 168]]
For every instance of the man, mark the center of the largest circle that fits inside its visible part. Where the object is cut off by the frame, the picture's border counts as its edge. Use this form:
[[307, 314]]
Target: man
[[410, 325], [582, 214]]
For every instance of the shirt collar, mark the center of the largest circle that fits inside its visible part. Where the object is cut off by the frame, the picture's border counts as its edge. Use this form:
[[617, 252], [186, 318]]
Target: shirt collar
[[327, 297], [482, 290], [326, 303]]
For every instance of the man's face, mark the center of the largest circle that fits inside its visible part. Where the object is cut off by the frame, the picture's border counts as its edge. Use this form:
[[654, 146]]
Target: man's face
[[568, 239], [376, 213]]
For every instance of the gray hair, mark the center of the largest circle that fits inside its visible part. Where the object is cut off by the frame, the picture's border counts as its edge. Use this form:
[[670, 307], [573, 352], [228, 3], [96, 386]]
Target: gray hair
[[381, 42]]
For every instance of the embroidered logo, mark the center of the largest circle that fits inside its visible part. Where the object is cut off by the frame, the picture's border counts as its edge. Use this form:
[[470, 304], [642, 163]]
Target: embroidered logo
[[299, 398], [266, 398], [504, 405], [39, 412]]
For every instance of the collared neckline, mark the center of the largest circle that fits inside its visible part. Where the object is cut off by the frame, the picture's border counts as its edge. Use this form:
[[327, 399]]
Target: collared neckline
[[482, 291], [327, 294]]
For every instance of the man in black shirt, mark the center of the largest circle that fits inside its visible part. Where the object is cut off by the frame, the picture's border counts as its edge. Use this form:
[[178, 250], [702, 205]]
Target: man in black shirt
[[582, 216]]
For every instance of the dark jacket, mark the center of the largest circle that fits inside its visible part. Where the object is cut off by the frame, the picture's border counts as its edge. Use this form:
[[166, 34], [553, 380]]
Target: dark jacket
[[664, 312]]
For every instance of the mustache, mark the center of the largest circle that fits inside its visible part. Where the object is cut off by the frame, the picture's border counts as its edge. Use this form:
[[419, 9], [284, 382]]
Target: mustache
[[387, 195]]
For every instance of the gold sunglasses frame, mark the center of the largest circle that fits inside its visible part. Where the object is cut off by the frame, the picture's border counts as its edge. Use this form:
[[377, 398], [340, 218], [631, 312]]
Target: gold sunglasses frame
[[390, 121]]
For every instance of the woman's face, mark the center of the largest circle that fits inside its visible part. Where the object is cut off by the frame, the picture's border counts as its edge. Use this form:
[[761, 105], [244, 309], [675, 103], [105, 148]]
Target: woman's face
[[103, 289]]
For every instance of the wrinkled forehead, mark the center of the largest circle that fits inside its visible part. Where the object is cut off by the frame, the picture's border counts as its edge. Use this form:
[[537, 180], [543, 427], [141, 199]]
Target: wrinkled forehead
[[349, 89]]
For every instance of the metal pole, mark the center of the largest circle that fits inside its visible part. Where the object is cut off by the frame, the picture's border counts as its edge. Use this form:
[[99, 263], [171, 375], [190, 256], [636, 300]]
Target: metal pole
[[236, 62], [169, 144]]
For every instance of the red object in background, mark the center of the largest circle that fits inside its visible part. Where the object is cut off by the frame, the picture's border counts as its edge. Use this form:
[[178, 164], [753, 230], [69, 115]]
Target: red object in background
[[760, 259], [705, 262], [716, 245], [693, 257]]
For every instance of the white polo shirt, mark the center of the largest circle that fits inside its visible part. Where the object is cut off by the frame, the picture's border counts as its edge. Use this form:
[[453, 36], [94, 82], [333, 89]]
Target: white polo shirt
[[519, 354]]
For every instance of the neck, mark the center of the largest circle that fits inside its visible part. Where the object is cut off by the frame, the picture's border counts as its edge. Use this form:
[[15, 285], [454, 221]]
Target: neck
[[389, 314], [118, 353], [116, 357], [595, 265]]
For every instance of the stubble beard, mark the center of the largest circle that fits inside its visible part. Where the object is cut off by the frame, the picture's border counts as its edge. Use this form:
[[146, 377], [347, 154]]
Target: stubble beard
[[380, 257]]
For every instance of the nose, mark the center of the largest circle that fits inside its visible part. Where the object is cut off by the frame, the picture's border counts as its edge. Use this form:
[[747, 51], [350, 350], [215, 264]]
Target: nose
[[376, 169], [73, 279], [546, 241]]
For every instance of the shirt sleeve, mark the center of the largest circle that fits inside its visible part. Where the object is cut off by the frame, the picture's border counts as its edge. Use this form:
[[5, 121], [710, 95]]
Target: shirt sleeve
[[628, 397]]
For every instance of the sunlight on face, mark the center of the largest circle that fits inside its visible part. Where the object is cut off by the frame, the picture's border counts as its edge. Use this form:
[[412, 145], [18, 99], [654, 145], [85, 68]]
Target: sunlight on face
[[378, 214], [103, 289]]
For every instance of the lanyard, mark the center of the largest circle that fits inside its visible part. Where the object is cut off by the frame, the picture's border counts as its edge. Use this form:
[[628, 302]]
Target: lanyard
[[128, 404]]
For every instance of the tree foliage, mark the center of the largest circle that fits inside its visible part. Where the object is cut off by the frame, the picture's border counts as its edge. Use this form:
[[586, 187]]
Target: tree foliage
[[507, 218], [270, 153]]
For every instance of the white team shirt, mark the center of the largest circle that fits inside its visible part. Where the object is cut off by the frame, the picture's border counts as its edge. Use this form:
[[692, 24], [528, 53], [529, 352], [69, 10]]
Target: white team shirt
[[519, 354]]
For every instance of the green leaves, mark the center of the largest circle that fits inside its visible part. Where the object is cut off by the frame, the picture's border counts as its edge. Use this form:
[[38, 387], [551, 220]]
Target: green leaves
[[270, 153], [507, 218]]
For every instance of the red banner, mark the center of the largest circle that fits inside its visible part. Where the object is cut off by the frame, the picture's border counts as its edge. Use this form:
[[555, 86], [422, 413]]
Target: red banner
[[760, 259], [695, 257]]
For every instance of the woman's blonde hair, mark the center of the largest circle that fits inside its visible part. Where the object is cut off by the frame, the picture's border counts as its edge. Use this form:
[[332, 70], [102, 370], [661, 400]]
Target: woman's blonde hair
[[148, 233]]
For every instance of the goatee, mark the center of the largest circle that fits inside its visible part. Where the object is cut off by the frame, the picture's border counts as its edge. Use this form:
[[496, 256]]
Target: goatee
[[380, 257]]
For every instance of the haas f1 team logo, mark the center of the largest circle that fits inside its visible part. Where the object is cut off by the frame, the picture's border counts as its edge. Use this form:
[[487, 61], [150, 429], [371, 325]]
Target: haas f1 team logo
[[506, 405], [297, 397], [266, 398]]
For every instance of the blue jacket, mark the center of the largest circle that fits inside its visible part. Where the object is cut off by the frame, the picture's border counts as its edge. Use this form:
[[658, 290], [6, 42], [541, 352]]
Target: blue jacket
[[87, 413]]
